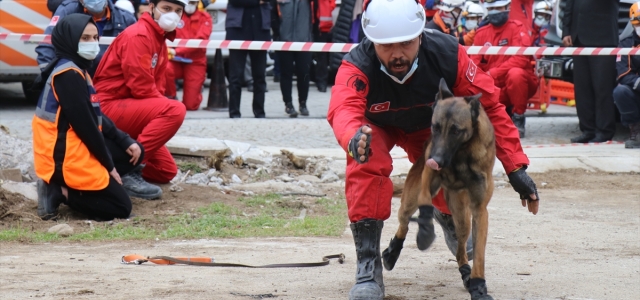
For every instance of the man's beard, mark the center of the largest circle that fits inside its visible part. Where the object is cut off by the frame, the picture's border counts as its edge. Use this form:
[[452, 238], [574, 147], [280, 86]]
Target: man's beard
[[398, 62]]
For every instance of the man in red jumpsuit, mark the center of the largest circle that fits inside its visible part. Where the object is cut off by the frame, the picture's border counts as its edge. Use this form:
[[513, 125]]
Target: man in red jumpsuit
[[195, 24], [513, 74], [130, 82], [520, 11], [381, 98]]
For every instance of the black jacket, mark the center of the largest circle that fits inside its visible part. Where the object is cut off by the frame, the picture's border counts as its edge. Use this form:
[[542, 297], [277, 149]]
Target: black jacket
[[591, 23], [248, 20], [628, 66], [411, 105]]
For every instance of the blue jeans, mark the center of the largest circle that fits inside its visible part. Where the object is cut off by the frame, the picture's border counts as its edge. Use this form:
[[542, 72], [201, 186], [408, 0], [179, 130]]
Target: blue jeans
[[628, 102]]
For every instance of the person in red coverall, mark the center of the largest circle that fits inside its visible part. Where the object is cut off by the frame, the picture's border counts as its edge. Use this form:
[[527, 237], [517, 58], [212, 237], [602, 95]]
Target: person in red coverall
[[130, 83], [513, 74], [382, 98], [540, 26], [195, 24], [520, 11]]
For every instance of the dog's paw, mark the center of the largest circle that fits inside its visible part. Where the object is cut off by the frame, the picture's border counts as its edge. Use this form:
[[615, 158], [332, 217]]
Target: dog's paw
[[391, 254]]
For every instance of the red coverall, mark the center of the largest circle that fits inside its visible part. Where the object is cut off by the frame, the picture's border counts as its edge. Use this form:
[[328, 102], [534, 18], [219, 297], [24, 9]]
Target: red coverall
[[195, 26], [368, 188], [513, 74], [130, 84], [522, 10]]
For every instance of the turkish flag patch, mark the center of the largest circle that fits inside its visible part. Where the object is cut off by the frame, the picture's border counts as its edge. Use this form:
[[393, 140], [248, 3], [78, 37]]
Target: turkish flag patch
[[472, 70], [618, 58], [380, 107], [54, 20]]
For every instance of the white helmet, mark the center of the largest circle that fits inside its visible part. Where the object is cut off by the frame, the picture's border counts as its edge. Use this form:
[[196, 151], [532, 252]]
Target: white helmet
[[450, 5], [125, 5], [496, 3], [475, 10], [392, 21], [543, 7]]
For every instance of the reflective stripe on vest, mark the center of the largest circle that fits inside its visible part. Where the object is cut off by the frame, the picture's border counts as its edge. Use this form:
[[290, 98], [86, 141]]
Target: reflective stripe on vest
[[47, 108]]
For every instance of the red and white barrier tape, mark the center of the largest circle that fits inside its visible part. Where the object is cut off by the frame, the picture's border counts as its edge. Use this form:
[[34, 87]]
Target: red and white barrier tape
[[342, 47]]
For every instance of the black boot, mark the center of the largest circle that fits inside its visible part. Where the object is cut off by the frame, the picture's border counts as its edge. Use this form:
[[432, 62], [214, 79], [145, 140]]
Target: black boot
[[426, 232], [369, 284], [290, 110], [49, 199], [136, 186], [303, 108], [634, 138], [449, 230], [519, 121], [478, 289]]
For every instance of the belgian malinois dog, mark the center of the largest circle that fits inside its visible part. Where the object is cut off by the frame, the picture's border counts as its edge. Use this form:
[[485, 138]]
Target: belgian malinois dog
[[459, 159]]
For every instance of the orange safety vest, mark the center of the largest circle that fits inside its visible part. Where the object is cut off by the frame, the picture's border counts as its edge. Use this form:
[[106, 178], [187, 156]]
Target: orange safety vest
[[57, 148]]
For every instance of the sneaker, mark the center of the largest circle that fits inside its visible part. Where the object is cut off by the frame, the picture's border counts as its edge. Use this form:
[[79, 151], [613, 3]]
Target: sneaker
[[303, 108], [49, 199], [137, 187], [519, 121], [290, 110], [449, 229]]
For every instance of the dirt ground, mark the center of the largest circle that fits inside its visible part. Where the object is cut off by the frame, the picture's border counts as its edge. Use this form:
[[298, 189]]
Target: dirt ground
[[583, 244]]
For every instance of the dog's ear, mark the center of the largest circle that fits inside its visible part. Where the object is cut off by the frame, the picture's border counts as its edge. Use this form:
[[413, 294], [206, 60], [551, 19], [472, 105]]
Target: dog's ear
[[443, 91], [474, 103]]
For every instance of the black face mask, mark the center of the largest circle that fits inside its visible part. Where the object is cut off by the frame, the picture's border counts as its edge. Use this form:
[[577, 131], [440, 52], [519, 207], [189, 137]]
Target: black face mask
[[498, 19]]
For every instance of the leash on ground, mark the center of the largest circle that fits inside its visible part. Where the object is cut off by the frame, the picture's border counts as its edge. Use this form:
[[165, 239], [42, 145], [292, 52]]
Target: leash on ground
[[135, 259]]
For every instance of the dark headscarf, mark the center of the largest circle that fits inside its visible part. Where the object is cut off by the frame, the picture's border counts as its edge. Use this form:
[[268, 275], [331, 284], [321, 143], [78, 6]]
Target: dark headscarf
[[65, 37]]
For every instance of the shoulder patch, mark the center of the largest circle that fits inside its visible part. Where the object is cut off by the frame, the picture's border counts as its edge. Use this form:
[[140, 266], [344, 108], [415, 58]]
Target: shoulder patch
[[359, 83], [180, 24], [472, 70], [54, 20], [618, 58]]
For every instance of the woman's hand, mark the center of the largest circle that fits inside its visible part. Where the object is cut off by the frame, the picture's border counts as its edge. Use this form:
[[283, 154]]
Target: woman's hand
[[116, 176], [134, 151]]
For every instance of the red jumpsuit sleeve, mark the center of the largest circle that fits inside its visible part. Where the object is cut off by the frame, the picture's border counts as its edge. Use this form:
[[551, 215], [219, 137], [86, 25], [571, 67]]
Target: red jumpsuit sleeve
[[204, 32], [471, 81], [518, 38], [136, 58], [348, 103]]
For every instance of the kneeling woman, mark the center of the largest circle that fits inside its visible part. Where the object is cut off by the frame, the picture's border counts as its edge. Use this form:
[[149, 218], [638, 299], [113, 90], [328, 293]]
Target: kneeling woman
[[79, 154]]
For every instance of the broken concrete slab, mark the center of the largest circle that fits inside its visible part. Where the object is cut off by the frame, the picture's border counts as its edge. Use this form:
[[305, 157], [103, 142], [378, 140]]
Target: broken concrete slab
[[27, 189], [11, 175], [195, 146]]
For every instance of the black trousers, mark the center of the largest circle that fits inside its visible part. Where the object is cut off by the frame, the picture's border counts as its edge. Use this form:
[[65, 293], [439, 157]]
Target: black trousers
[[302, 61], [237, 60], [594, 79], [322, 60], [112, 201], [628, 102]]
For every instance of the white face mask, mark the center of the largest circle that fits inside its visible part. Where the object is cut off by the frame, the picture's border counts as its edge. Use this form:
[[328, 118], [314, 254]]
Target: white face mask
[[413, 69], [168, 21], [88, 50], [540, 21], [448, 18], [190, 9], [471, 24]]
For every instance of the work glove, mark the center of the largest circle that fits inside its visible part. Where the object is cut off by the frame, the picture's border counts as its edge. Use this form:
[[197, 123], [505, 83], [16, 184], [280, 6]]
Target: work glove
[[524, 185], [354, 145]]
